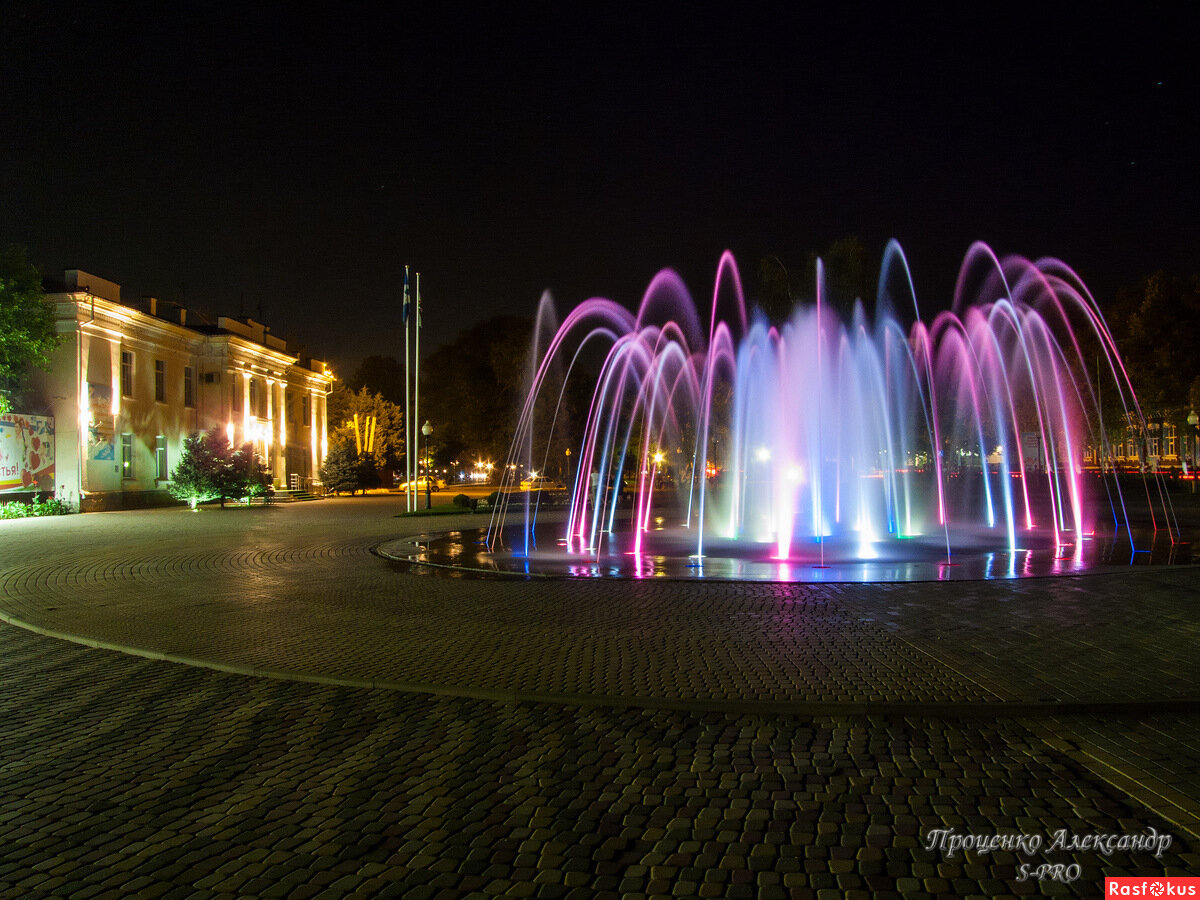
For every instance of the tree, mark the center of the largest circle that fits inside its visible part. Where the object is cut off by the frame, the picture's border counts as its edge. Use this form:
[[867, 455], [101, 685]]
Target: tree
[[1157, 326], [194, 478], [387, 442], [247, 473], [383, 375], [210, 469], [473, 387], [848, 277], [27, 334], [344, 469], [774, 291]]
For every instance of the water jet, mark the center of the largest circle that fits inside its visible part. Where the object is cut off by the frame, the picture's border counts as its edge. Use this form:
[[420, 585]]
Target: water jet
[[829, 446]]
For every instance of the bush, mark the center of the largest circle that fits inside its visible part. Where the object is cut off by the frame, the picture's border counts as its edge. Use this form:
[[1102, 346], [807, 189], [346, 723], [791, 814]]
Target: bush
[[51, 506], [462, 501]]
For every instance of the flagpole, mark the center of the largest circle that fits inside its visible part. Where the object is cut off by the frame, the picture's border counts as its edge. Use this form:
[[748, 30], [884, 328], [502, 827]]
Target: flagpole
[[417, 381], [408, 458]]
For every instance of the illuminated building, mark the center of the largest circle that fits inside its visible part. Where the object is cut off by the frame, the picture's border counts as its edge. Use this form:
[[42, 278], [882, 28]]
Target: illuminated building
[[128, 384]]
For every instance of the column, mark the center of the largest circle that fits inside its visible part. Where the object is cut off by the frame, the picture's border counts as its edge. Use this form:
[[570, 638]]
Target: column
[[324, 427], [312, 430], [84, 417], [114, 360], [245, 406], [270, 432], [283, 415]]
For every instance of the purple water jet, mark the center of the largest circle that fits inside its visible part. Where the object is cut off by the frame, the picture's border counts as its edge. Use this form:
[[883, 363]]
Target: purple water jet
[[826, 441]]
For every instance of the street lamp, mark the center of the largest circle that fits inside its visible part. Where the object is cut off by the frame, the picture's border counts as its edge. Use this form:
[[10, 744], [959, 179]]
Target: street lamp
[[427, 430], [1193, 420]]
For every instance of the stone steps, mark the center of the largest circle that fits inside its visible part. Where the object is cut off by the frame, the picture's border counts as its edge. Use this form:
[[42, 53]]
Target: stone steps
[[286, 495]]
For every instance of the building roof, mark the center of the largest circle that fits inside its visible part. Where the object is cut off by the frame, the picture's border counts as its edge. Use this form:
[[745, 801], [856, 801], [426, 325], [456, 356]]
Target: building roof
[[77, 281]]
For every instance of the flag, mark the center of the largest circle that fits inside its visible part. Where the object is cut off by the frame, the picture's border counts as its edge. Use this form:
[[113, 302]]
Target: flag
[[404, 314], [418, 299]]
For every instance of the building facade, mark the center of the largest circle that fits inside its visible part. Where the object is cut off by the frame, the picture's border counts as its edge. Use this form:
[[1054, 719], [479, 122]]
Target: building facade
[[1160, 446], [129, 383]]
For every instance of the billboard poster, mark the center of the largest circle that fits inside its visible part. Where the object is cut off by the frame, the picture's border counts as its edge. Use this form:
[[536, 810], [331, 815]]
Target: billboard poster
[[99, 402], [26, 453], [100, 423]]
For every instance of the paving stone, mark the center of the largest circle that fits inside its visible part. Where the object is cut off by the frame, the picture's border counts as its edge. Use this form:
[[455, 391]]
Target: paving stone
[[121, 770]]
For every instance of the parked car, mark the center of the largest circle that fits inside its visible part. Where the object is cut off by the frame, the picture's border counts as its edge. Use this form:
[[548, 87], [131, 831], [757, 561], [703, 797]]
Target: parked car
[[434, 484]]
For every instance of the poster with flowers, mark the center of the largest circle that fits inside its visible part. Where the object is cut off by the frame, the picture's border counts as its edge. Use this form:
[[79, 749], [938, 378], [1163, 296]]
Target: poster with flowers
[[26, 453]]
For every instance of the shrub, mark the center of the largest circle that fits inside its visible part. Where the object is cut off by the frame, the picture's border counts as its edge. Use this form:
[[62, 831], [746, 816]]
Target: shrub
[[14, 509], [51, 506], [462, 501]]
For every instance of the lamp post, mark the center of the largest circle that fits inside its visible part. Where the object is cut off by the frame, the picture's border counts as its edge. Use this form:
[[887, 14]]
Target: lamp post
[[1193, 420], [427, 430]]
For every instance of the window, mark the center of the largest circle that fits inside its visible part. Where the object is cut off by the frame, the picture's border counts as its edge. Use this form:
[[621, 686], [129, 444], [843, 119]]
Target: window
[[160, 381], [160, 458], [305, 409], [127, 455], [189, 386], [253, 397], [1172, 434], [126, 373], [237, 394]]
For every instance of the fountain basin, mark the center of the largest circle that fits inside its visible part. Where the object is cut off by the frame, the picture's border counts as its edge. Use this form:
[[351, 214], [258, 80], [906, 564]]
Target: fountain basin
[[665, 554]]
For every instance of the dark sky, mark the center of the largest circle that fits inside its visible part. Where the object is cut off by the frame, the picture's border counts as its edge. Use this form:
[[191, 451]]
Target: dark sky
[[231, 155]]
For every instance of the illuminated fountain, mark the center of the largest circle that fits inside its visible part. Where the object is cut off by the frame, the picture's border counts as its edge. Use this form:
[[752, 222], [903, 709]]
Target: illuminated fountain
[[862, 449]]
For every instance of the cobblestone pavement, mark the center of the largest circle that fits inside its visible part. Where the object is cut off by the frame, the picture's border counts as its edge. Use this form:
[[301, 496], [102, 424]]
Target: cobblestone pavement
[[601, 738]]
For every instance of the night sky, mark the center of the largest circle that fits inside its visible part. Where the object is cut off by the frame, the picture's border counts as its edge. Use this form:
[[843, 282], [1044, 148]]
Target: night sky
[[234, 158]]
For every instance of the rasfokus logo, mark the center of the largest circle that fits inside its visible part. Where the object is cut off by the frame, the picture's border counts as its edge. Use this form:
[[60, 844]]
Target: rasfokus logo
[[1151, 887]]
